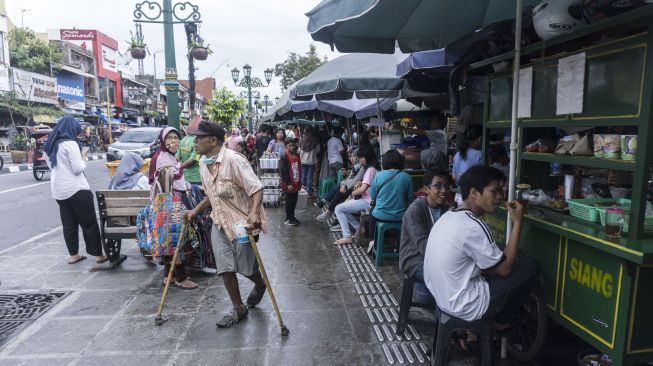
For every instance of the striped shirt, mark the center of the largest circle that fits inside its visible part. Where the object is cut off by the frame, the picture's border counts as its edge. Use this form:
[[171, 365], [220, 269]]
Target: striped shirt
[[229, 189], [459, 247]]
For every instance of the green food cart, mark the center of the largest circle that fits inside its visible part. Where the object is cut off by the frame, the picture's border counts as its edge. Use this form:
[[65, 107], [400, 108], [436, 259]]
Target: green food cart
[[598, 288]]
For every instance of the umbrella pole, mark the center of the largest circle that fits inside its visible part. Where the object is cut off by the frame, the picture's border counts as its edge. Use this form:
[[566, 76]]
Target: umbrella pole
[[349, 131], [514, 144]]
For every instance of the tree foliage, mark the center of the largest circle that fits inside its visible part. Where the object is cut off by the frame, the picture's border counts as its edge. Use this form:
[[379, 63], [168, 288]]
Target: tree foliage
[[225, 108], [297, 66], [28, 52]]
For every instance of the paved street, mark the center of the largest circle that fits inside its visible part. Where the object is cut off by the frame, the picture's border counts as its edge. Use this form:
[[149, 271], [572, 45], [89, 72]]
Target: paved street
[[27, 208]]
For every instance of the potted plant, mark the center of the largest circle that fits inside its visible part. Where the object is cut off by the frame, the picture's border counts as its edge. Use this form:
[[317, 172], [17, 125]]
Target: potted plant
[[137, 48], [198, 50], [18, 154]]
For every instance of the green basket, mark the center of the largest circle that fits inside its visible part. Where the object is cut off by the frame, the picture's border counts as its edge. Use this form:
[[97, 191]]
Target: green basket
[[625, 204], [587, 209]]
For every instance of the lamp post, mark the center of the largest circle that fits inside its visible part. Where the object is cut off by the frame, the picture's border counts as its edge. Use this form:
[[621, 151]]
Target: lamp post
[[250, 82], [168, 15]]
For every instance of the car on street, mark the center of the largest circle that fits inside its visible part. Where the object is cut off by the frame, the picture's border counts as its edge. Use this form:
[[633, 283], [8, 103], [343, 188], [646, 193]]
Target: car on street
[[143, 141]]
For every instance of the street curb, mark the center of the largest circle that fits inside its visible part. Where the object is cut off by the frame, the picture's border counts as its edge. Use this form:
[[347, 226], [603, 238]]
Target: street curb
[[24, 167]]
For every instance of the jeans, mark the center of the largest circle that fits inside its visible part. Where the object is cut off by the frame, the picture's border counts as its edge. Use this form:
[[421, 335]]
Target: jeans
[[291, 203], [336, 198], [344, 213], [79, 210], [508, 294], [307, 176], [334, 168]]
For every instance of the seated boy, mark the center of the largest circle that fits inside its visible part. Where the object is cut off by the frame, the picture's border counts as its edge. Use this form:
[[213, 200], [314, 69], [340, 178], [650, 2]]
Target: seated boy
[[468, 275], [418, 220]]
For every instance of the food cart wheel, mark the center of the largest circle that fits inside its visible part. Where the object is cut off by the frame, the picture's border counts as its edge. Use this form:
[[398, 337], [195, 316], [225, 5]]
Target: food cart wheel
[[527, 336], [38, 174]]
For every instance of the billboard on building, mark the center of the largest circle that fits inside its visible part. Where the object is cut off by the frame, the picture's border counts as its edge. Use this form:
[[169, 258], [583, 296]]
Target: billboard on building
[[34, 87], [81, 37], [70, 88]]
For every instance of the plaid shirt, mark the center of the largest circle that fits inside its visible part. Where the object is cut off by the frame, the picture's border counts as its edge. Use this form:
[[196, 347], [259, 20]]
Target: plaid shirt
[[229, 189]]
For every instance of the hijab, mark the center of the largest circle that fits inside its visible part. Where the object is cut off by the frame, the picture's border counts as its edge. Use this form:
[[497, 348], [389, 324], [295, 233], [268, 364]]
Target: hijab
[[309, 141], [128, 173], [234, 139], [164, 156], [66, 129]]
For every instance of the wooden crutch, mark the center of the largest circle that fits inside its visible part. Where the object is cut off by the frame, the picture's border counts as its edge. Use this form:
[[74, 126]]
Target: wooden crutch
[[284, 331], [158, 320]]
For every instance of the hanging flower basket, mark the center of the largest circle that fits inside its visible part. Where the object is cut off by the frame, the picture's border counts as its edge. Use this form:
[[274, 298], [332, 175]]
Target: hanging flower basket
[[200, 53], [138, 53]]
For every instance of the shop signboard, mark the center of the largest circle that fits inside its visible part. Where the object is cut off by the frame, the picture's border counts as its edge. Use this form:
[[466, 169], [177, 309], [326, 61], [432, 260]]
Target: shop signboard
[[109, 60], [34, 87], [80, 37], [70, 88]]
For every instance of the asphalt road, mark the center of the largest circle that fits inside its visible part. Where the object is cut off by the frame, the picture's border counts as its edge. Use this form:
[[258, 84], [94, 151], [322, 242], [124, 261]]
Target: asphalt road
[[27, 208]]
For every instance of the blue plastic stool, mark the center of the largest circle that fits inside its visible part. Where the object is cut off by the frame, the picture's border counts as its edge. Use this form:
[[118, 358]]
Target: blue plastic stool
[[379, 239]]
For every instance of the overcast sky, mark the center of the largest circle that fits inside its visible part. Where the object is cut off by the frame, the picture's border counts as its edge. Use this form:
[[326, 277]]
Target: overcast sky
[[258, 32]]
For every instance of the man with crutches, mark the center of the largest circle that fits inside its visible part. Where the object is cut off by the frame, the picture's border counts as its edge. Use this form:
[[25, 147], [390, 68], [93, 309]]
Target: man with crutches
[[235, 195]]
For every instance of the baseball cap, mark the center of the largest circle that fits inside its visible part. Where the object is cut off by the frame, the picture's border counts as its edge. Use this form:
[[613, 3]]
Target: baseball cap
[[198, 127]]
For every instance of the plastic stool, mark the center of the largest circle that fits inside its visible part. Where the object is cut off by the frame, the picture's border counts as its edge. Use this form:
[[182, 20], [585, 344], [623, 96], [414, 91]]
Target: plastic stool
[[447, 324], [424, 301], [379, 239], [325, 186]]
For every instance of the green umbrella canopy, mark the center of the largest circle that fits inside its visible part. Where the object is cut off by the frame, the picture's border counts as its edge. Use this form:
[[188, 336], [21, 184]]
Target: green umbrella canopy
[[415, 25], [365, 74]]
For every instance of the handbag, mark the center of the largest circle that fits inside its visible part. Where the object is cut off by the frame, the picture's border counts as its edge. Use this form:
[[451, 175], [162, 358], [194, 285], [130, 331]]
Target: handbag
[[373, 201], [159, 222]]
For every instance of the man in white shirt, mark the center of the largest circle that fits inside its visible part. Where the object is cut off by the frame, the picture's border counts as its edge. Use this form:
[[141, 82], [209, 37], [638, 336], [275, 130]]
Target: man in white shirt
[[334, 152], [468, 275]]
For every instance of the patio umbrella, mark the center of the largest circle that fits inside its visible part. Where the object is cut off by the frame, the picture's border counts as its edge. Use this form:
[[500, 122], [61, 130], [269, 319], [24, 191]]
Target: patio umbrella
[[418, 25], [428, 71], [360, 108], [404, 106], [367, 74], [415, 25], [285, 105]]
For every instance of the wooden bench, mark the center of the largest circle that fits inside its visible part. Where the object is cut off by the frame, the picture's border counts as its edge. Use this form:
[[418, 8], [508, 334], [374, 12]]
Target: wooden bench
[[117, 212]]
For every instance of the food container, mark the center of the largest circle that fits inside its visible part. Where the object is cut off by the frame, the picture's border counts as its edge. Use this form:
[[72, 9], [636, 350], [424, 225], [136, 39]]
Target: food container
[[519, 194], [598, 146], [628, 147], [611, 146]]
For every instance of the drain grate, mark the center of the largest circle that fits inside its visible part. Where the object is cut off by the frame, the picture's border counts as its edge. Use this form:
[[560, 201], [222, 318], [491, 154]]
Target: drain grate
[[18, 310]]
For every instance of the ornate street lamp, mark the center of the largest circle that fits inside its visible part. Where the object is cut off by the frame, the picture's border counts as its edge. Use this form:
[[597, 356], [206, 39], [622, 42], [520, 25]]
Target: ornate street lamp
[[168, 15], [250, 82]]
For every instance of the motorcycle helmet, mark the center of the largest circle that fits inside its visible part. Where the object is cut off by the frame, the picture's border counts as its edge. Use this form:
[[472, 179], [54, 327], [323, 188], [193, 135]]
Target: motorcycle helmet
[[552, 18]]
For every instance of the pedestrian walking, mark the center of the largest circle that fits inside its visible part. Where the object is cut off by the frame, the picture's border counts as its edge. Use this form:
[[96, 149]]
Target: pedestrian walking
[[71, 190], [291, 177], [235, 195]]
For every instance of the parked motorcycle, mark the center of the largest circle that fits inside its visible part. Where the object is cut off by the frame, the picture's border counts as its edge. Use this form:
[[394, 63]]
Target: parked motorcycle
[[39, 165]]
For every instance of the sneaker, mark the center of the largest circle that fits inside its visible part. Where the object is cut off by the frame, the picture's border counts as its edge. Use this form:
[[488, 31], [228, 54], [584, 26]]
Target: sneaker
[[324, 216], [336, 228], [255, 297], [319, 204], [232, 318], [292, 222]]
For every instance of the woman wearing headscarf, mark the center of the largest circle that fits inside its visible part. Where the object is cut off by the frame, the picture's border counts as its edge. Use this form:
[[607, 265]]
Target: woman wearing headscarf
[[72, 191], [165, 158], [128, 175], [234, 139], [310, 148]]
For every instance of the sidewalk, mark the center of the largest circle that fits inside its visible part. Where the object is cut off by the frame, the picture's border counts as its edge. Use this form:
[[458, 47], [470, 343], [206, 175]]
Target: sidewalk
[[10, 167], [108, 318]]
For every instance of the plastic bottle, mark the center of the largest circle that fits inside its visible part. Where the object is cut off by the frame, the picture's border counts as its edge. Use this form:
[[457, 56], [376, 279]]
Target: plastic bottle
[[241, 232]]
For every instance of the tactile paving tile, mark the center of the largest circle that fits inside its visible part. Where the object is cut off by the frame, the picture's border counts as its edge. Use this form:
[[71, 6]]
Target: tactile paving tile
[[381, 308]]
